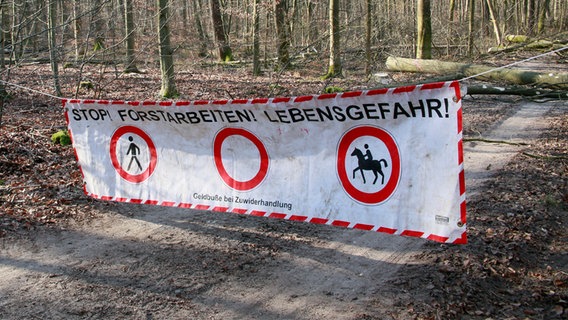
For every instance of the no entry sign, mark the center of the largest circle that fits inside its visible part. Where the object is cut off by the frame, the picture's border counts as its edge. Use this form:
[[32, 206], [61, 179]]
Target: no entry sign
[[386, 160]]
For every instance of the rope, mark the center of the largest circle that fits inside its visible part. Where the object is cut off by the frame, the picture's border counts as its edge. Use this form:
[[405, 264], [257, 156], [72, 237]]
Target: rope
[[460, 80], [31, 90]]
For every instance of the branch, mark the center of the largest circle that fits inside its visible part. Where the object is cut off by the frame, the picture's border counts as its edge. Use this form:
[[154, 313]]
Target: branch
[[518, 91], [562, 157], [495, 141]]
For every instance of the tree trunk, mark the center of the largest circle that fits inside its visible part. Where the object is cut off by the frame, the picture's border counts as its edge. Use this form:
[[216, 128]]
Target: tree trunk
[[199, 26], [96, 26], [130, 64], [221, 40], [3, 36], [51, 22], [280, 10], [312, 31], [531, 15], [423, 30], [542, 16], [185, 18], [335, 68], [77, 29], [471, 25], [168, 89], [461, 70], [255, 39], [368, 32], [494, 22], [452, 10], [18, 9]]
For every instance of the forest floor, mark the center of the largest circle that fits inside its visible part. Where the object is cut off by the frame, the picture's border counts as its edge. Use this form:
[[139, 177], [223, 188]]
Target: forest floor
[[64, 255]]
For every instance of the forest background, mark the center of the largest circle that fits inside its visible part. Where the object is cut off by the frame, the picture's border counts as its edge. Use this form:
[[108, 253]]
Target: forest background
[[85, 40]]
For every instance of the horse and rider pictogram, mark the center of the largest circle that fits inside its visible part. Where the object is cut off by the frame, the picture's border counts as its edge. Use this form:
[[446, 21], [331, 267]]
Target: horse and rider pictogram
[[367, 163]]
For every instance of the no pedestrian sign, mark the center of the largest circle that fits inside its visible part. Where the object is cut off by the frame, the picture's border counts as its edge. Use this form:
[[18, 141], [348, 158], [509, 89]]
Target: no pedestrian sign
[[387, 160]]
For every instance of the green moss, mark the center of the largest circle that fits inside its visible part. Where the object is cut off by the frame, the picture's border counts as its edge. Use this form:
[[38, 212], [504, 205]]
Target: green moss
[[61, 137], [276, 89], [334, 71], [333, 89], [99, 44], [86, 85], [4, 95], [168, 93], [552, 202]]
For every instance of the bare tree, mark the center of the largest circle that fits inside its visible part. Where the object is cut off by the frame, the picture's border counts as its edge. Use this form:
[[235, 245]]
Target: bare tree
[[3, 36], [452, 10], [424, 30], [542, 15], [222, 42], [494, 21], [3, 93], [471, 25], [282, 27], [130, 63], [168, 89], [203, 40], [255, 39], [368, 32], [335, 66], [97, 25], [51, 23], [77, 28], [312, 29]]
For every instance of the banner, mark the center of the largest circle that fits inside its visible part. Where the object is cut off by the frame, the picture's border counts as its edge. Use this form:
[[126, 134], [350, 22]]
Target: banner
[[387, 160]]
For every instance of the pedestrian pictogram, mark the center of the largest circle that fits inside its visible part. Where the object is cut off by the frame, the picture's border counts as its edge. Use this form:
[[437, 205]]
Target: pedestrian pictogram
[[368, 152], [133, 154], [246, 152], [133, 151]]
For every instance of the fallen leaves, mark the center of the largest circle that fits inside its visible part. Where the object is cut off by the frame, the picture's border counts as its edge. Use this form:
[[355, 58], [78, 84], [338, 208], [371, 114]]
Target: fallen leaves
[[39, 184], [515, 265]]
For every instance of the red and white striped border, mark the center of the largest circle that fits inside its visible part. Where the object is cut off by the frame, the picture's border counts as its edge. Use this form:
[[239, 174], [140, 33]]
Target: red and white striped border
[[300, 99]]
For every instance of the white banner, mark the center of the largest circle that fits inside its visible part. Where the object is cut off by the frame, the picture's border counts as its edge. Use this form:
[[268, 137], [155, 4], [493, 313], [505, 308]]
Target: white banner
[[387, 160]]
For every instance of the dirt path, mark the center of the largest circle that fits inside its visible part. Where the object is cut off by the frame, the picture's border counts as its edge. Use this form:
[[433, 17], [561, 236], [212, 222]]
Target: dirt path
[[484, 158], [144, 262]]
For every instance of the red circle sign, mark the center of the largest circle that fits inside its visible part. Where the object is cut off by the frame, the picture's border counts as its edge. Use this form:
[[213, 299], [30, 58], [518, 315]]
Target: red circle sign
[[135, 178], [230, 181], [342, 153]]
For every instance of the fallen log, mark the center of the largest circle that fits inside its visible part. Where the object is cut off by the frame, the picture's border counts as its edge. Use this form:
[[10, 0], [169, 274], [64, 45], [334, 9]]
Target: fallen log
[[535, 93], [519, 38], [536, 45], [480, 72]]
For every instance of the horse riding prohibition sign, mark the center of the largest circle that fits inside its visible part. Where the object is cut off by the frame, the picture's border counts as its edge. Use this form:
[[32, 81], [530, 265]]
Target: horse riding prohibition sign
[[127, 156], [368, 164]]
